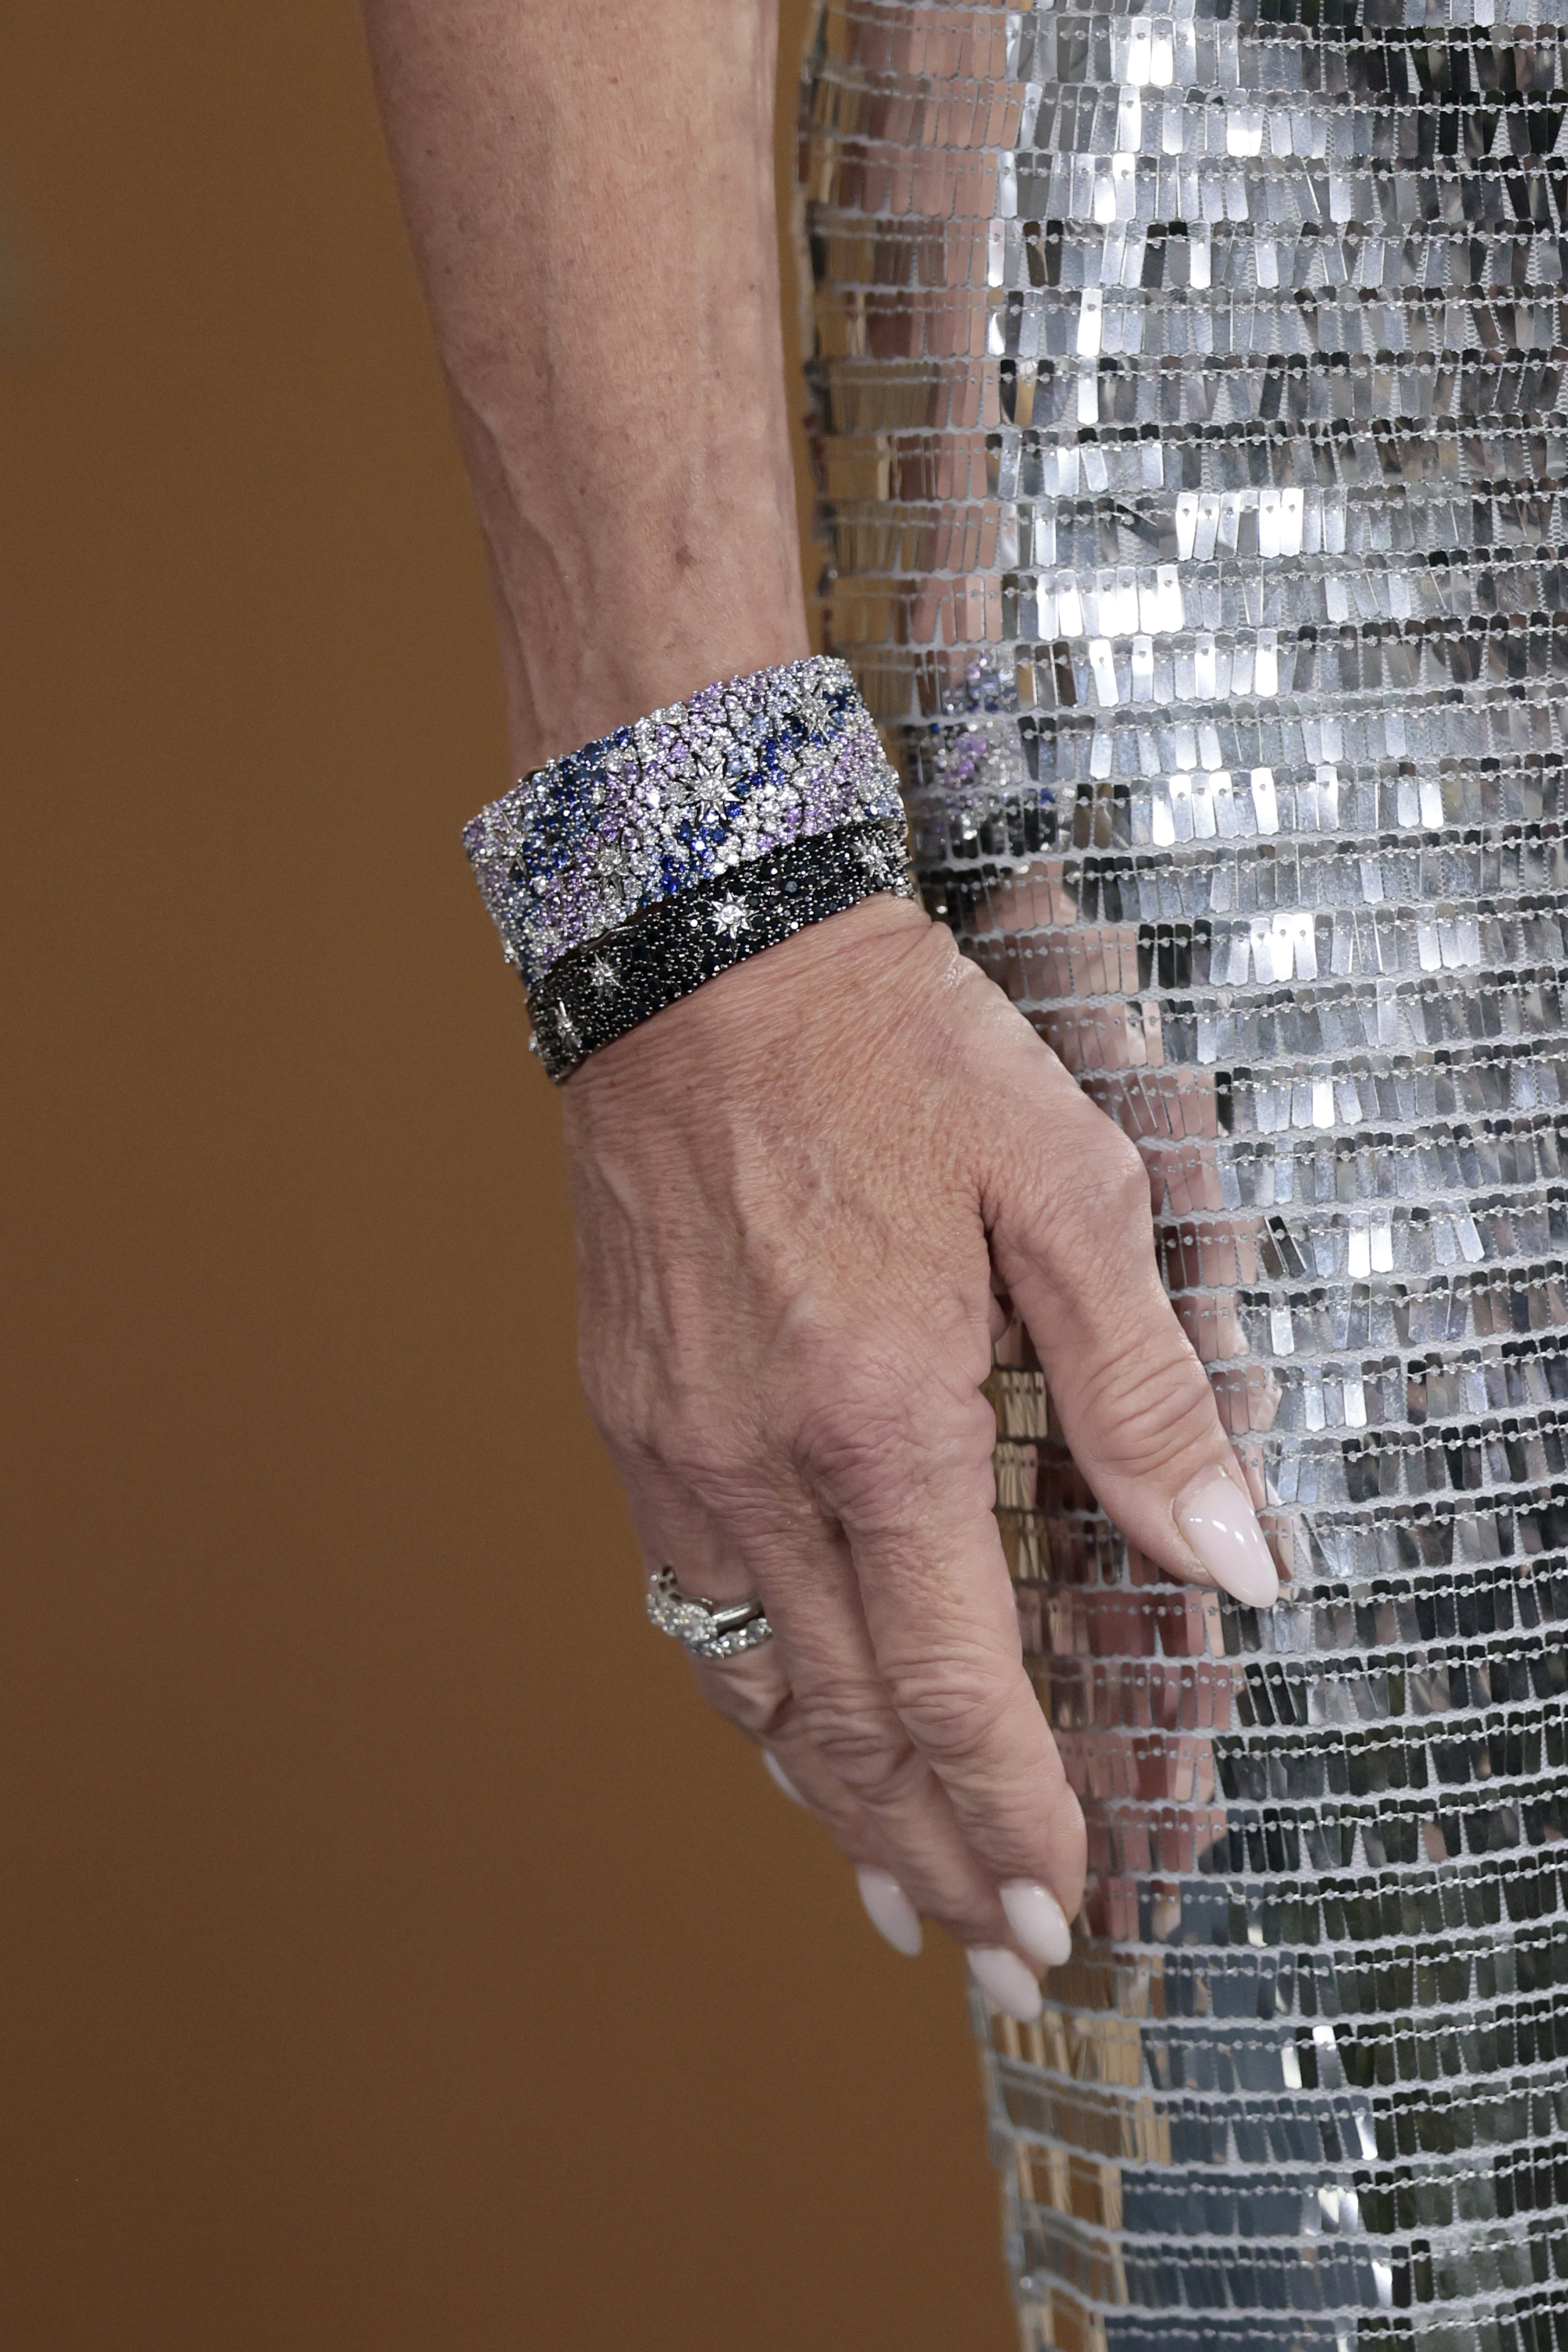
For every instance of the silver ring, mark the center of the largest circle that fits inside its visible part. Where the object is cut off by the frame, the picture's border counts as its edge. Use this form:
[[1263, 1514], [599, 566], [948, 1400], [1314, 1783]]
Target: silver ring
[[709, 1628]]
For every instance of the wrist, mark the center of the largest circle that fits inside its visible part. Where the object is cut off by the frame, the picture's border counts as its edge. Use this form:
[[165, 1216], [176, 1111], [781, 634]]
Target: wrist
[[643, 652], [681, 945], [696, 583], [797, 997]]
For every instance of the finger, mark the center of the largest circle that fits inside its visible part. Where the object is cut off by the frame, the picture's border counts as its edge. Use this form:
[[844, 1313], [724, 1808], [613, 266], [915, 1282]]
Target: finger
[[1077, 1255], [903, 1464], [850, 1727], [886, 1903], [893, 1861], [1012, 1925], [813, 1698], [752, 1690], [1009, 1933]]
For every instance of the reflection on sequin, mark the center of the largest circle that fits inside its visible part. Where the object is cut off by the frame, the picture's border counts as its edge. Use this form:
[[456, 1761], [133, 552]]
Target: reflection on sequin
[[1192, 451]]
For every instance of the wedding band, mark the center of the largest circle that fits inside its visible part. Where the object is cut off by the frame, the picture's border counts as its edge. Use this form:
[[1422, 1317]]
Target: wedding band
[[709, 1628]]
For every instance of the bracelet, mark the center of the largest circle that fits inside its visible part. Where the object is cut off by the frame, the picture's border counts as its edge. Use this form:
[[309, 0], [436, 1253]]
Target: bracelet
[[625, 875]]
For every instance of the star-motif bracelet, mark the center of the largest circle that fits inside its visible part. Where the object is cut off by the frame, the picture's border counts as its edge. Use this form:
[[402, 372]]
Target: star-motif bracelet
[[623, 876], [598, 991]]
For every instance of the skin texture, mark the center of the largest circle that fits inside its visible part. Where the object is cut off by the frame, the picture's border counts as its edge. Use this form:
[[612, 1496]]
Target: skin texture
[[589, 191], [801, 1195]]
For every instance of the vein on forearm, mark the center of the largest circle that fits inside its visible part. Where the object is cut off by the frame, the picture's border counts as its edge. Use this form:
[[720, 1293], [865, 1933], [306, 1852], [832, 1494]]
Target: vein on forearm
[[589, 192]]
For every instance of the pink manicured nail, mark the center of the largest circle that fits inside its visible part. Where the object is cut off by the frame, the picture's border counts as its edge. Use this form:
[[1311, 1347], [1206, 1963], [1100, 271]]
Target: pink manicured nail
[[1005, 1981], [890, 1910], [1038, 1921], [1222, 1527], [781, 1779]]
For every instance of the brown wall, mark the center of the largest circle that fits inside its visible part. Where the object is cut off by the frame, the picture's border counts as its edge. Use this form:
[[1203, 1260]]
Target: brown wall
[[392, 1952]]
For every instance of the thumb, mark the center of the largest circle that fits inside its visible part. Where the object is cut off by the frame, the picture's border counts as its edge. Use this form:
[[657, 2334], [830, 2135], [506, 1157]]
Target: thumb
[[1133, 1401]]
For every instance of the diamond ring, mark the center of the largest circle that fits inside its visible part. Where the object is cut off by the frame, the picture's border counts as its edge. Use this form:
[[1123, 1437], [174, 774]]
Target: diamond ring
[[709, 1628]]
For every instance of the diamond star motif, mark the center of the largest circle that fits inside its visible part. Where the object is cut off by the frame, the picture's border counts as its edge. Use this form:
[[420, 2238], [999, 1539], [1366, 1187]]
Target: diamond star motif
[[729, 917], [565, 1023], [710, 789], [603, 973]]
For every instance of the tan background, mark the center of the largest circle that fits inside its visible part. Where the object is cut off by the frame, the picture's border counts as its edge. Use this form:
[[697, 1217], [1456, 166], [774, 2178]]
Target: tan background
[[392, 1953]]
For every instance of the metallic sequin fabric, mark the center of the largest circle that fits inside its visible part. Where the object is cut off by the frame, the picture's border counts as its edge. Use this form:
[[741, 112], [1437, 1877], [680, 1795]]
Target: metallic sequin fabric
[[1190, 432], [688, 795]]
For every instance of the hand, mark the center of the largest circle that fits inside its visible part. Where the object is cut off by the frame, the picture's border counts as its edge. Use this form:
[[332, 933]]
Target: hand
[[801, 1195]]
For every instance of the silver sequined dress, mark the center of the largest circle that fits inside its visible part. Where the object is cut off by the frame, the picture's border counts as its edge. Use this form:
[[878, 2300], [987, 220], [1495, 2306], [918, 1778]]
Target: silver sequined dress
[[1193, 460]]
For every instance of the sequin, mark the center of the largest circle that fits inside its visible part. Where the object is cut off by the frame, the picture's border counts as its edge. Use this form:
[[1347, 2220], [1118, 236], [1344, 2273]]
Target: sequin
[[1192, 448]]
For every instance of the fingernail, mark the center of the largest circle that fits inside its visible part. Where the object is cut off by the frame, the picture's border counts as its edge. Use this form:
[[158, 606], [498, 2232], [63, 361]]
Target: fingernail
[[890, 1910], [1038, 1921], [1005, 1981], [781, 1779], [1222, 1527]]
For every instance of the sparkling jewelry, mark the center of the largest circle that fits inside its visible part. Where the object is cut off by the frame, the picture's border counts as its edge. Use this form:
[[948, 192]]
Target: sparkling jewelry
[[625, 875], [709, 1628], [597, 991]]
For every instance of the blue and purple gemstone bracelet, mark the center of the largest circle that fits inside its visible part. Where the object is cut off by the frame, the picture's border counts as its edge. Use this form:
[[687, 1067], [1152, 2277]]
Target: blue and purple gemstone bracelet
[[627, 874]]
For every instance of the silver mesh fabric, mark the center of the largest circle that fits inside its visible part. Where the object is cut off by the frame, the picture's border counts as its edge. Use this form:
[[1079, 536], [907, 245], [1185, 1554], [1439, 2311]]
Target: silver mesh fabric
[[1191, 442]]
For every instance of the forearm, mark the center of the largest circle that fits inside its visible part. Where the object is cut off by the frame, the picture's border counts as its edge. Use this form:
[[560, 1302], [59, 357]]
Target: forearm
[[590, 195]]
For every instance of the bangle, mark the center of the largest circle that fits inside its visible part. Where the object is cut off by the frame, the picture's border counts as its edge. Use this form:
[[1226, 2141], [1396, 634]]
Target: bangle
[[627, 874], [599, 990]]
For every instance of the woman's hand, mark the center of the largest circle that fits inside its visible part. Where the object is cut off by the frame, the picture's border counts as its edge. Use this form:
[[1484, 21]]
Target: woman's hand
[[793, 1189], [800, 1196]]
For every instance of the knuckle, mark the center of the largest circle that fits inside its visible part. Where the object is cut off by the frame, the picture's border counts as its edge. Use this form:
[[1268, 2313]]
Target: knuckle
[[1083, 1205], [756, 1703], [720, 1477], [1154, 1406], [863, 1467], [697, 1437], [651, 1401], [955, 1705], [691, 1437], [1113, 1185], [865, 1745], [853, 1425], [882, 1424], [640, 1404]]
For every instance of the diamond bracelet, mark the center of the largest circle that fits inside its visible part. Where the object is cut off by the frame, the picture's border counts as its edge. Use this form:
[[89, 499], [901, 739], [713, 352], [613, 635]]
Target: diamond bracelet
[[625, 875]]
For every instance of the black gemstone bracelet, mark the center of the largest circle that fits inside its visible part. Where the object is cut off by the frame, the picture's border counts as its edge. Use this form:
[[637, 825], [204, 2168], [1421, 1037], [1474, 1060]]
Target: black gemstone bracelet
[[597, 992]]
